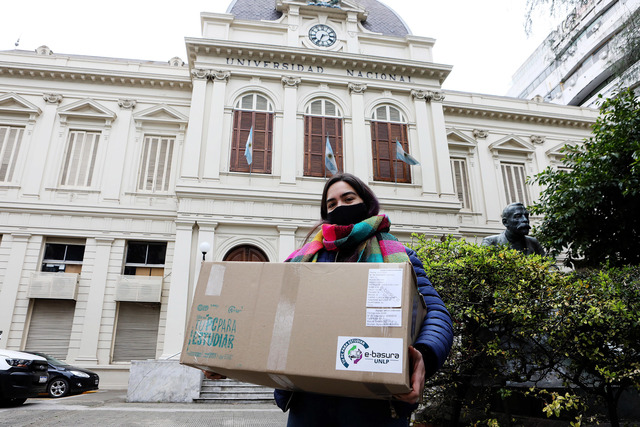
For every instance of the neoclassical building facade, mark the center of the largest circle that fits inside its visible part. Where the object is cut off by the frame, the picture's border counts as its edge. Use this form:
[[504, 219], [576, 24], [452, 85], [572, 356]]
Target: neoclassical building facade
[[113, 172]]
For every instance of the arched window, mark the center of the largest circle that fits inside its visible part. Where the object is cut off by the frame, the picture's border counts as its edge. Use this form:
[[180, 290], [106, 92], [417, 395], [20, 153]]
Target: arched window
[[389, 125], [252, 112], [246, 253], [322, 119]]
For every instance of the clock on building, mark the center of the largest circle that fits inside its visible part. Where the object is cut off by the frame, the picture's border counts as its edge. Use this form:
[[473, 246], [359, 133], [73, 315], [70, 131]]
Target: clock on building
[[322, 35]]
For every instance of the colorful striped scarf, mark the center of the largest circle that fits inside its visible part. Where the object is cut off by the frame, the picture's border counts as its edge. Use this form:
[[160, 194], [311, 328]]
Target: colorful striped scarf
[[371, 238]]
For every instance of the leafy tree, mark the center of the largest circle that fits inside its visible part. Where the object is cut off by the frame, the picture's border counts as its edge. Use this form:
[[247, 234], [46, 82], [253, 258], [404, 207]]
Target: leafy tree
[[591, 209], [596, 325], [499, 300]]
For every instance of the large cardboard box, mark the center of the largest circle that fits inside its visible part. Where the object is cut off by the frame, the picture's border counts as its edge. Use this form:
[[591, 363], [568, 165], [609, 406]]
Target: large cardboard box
[[333, 328]]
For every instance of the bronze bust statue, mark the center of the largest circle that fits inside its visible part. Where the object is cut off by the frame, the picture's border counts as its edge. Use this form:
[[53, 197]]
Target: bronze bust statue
[[515, 218]]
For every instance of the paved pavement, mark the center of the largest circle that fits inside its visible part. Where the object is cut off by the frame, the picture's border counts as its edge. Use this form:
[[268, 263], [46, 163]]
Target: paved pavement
[[109, 408]]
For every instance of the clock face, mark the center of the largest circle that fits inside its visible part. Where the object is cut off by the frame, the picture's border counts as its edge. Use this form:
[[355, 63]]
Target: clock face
[[322, 35]]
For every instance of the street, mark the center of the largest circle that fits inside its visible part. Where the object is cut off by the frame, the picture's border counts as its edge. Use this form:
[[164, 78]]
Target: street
[[109, 408]]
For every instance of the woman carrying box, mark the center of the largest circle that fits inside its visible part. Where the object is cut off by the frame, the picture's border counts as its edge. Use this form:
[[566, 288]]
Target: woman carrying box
[[353, 231]]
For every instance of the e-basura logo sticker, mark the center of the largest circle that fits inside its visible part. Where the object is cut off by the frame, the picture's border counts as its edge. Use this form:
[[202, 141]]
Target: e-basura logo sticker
[[370, 354]]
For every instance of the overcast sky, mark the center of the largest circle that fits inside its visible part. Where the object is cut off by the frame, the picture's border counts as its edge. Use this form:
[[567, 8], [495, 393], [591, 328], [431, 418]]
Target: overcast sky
[[483, 40]]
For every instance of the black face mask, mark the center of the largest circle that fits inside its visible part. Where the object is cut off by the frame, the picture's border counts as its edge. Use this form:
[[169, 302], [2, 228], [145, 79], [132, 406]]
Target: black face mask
[[348, 214]]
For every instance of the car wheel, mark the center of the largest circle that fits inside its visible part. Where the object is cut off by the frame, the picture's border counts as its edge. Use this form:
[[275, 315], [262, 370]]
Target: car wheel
[[59, 387]]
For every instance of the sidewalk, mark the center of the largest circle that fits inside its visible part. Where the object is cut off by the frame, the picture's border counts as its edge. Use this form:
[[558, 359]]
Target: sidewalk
[[109, 408]]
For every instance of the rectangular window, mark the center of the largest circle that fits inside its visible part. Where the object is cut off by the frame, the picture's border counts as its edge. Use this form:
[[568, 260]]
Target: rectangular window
[[316, 130], [64, 258], [515, 187], [10, 140], [136, 335], [80, 158], [461, 181], [155, 169], [145, 258], [262, 142], [386, 167], [50, 326]]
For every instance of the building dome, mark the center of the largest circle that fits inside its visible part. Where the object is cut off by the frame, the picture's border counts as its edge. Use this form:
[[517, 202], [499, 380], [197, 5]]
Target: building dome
[[381, 18]]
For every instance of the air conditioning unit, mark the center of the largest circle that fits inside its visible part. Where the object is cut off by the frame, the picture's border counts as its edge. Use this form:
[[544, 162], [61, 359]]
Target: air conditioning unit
[[139, 288], [53, 285]]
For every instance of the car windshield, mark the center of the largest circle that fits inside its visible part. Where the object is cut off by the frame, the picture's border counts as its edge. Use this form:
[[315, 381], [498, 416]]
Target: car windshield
[[52, 360]]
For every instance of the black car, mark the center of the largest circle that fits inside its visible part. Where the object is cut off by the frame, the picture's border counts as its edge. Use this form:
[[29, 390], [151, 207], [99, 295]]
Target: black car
[[65, 379], [22, 376]]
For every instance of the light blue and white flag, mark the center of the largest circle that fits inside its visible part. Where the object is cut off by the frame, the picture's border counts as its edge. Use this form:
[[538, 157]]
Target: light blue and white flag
[[405, 157], [330, 159], [248, 149]]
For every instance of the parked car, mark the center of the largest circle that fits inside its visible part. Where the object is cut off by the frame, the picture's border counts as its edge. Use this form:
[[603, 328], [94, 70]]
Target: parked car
[[22, 375], [65, 379]]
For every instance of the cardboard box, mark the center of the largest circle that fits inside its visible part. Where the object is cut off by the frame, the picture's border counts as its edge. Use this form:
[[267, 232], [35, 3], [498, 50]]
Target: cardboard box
[[333, 328]]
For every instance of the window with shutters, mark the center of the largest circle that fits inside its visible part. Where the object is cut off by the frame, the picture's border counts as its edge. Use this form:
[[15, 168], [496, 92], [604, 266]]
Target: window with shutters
[[10, 141], [322, 120], [63, 257], [50, 326], [253, 114], [515, 185], [145, 258], [80, 158], [389, 125], [461, 181], [155, 168], [136, 331]]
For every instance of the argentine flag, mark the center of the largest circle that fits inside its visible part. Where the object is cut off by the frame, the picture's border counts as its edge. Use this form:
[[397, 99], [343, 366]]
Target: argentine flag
[[248, 149], [330, 159], [405, 157]]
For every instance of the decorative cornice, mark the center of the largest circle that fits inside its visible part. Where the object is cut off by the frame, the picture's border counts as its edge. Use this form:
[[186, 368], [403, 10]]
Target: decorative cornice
[[227, 48], [127, 104], [290, 81], [357, 88], [111, 77], [480, 133], [220, 75], [52, 98], [496, 113]]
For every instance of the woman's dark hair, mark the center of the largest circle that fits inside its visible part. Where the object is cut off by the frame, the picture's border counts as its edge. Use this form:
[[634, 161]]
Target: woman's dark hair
[[370, 200], [366, 194]]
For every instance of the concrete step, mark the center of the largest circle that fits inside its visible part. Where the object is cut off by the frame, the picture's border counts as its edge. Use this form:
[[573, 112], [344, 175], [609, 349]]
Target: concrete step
[[232, 391]]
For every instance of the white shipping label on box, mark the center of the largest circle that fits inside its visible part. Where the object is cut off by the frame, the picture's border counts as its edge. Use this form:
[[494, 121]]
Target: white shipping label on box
[[384, 288], [370, 354], [384, 317]]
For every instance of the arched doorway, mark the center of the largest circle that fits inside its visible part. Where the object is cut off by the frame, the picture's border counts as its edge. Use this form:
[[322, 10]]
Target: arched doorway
[[246, 253]]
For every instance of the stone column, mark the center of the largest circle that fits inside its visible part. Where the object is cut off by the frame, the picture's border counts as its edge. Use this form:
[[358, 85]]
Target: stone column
[[216, 125], [361, 148], [439, 134], [11, 281], [32, 180], [287, 242], [88, 352], [426, 148], [116, 151], [289, 120], [193, 140], [178, 301]]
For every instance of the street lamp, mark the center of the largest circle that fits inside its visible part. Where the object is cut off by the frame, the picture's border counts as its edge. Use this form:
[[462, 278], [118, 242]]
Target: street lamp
[[204, 248]]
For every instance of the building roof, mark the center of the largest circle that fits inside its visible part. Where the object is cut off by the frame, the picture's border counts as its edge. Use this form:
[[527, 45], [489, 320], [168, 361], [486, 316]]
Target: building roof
[[381, 18]]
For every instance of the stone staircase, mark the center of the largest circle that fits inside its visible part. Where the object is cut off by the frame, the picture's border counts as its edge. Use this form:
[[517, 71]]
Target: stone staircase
[[232, 391]]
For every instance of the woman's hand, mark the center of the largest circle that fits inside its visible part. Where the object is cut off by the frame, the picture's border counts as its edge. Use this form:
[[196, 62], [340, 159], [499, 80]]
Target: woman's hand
[[213, 376], [417, 378]]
